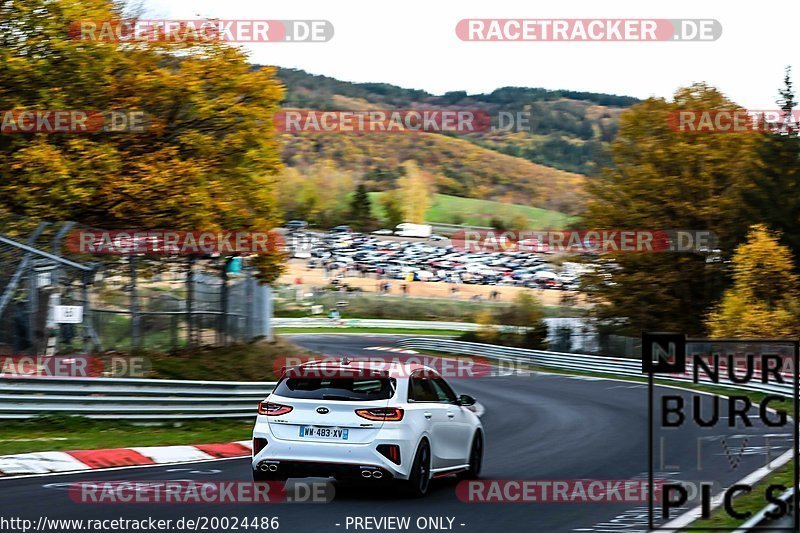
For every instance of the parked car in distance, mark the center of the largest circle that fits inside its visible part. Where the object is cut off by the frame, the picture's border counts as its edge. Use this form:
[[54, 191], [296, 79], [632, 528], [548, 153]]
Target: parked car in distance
[[294, 225]]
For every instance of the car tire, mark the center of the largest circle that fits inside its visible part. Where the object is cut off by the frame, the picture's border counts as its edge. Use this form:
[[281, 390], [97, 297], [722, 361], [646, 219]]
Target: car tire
[[475, 458], [420, 478]]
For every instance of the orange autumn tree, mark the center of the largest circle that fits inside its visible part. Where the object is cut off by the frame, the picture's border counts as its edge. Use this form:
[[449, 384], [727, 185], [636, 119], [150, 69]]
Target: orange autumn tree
[[762, 303], [207, 158]]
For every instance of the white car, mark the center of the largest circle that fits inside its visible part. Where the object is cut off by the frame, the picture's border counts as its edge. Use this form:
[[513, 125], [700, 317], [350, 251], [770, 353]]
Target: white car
[[370, 421], [382, 232]]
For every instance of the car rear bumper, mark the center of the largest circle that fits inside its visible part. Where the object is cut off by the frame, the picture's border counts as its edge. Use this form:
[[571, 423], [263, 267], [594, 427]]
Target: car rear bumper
[[294, 468], [299, 458]]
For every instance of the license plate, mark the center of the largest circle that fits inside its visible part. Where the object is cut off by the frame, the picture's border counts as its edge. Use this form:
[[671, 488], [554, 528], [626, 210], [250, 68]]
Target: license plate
[[315, 432]]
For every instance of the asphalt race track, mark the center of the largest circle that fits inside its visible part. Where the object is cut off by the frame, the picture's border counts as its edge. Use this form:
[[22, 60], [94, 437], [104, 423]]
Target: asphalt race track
[[538, 427]]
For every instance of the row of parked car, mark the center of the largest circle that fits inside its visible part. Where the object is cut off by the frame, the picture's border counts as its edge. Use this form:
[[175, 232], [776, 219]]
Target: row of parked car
[[348, 253]]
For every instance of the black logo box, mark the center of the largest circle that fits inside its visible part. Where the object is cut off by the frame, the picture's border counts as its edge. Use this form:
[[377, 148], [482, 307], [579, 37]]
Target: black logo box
[[665, 353]]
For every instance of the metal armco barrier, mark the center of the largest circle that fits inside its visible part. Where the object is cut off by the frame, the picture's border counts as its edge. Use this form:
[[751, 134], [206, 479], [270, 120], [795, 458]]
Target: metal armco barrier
[[599, 364], [129, 399]]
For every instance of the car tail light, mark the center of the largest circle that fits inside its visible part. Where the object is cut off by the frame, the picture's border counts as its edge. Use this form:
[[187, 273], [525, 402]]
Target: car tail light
[[259, 443], [387, 414], [273, 409], [391, 452]]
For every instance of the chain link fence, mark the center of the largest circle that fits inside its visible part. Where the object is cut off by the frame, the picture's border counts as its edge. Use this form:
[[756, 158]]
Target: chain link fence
[[127, 302]]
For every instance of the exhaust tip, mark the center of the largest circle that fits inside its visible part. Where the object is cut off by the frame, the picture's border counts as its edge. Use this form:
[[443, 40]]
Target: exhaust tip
[[377, 474], [273, 468], [263, 467], [366, 473]]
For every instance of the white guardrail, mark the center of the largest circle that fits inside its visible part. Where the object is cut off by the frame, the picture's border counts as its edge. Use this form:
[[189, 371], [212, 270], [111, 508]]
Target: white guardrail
[[129, 399], [615, 366], [153, 399]]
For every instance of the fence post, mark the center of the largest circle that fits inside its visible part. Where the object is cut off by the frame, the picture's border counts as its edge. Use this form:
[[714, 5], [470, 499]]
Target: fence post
[[250, 308], [134, 304], [268, 311], [224, 297], [190, 301], [89, 333], [173, 327], [33, 312]]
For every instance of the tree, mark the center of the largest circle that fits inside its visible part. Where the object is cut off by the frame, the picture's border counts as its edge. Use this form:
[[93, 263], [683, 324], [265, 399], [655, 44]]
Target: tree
[[519, 222], [773, 198], [498, 223], [664, 179], [761, 302], [414, 193], [290, 181], [525, 311], [392, 208], [332, 188], [487, 327], [361, 210], [207, 159]]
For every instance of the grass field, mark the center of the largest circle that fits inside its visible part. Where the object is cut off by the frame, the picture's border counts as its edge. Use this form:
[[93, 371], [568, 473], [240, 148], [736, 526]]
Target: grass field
[[386, 331], [752, 502], [448, 209], [369, 305]]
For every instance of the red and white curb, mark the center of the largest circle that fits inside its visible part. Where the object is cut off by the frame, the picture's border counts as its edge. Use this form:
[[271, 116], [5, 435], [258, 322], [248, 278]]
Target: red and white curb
[[390, 349], [80, 460]]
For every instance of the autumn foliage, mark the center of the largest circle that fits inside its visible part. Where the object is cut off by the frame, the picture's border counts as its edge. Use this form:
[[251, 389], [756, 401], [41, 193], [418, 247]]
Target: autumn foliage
[[206, 159]]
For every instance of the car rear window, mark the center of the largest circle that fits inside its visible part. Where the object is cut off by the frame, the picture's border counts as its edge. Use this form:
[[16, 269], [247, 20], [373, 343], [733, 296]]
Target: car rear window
[[341, 389]]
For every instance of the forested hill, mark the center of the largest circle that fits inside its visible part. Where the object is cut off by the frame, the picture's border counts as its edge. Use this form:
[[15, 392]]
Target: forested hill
[[568, 129]]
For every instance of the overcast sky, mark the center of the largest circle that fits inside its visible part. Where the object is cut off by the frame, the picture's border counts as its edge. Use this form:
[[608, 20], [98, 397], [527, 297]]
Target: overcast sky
[[412, 43]]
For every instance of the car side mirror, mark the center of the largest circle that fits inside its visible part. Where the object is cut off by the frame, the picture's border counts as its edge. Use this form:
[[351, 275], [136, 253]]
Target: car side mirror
[[466, 400]]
